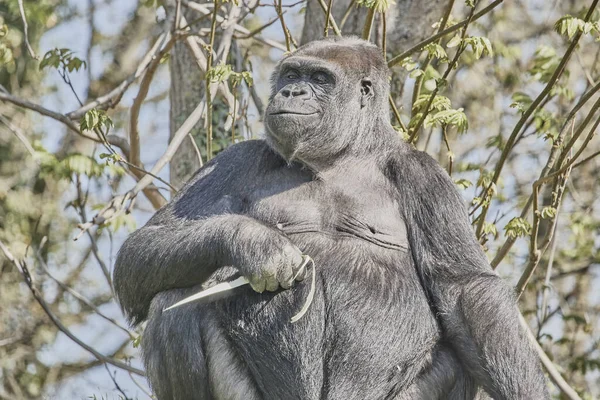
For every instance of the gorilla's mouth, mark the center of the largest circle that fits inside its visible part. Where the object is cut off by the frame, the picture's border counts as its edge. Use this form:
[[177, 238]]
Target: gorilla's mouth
[[290, 112]]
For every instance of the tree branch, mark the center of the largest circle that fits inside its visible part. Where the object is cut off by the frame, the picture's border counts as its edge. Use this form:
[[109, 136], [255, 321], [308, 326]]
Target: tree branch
[[112, 98], [22, 267], [419, 46]]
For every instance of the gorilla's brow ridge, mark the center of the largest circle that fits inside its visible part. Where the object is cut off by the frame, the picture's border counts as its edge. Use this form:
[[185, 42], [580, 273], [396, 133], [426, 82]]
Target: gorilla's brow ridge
[[311, 64]]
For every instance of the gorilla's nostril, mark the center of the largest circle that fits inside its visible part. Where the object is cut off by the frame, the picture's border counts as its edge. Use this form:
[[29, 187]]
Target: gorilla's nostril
[[299, 92], [286, 93]]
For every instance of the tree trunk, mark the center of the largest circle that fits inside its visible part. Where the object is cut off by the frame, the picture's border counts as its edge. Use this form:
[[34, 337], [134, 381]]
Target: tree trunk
[[186, 91], [408, 21]]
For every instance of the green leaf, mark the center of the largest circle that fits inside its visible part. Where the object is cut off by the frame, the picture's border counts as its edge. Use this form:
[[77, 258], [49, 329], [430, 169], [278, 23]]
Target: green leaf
[[6, 54], [436, 51], [569, 26], [408, 64], [248, 78], [463, 183], [137, 341], [545, 62], [548, 212], [95, 118], [490, 229], [379, 5], [439, 103], [63, 59], [455, 41], [81, 164], [521, 101], [219, 73], [517, 227], [480, 45], [416, 73]]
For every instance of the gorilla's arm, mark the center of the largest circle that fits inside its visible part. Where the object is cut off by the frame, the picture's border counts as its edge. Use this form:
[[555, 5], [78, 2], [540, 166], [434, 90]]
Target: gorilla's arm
[[199, 231], [475, 307]]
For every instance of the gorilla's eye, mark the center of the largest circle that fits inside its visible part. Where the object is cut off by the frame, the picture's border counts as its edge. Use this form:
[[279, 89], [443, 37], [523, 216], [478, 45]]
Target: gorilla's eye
[[291, 75], [320, 77]]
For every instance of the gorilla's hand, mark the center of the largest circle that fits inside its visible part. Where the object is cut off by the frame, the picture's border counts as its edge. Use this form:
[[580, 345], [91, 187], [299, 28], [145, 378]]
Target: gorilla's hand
[[278, 263]]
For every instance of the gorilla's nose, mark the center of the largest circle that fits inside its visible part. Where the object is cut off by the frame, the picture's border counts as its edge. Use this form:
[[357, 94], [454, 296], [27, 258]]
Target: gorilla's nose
[[299, 93]]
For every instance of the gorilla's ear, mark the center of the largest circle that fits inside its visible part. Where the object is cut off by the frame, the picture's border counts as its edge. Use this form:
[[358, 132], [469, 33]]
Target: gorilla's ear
[[366, 91]]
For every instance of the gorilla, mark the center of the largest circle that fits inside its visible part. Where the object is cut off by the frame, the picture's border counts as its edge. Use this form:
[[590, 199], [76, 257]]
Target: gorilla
[[405, 306]]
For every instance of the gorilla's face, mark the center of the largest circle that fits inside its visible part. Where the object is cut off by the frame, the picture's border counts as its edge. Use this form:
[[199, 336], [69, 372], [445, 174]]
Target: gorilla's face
[[298, 104], [303, 103], [323, 96]]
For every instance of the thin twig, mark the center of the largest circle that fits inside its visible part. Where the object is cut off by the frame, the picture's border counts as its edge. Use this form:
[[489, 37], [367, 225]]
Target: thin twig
[[209, 59], [19, 134], [548, 364], [134, 136], [546, 290], [421, 78], [384, 36], [22, 267], [327, 18], [366, 33], [530, 110], [238, 28], [48, 113], [79, 296], [139, 385], [331, 19], [419, 46], [112, 98], [113, 378], [451, 65], [258, 30], [397, 113], [286, 32], [196, 149], [347, 13], [594, 155], [25, 30], [554, 153]]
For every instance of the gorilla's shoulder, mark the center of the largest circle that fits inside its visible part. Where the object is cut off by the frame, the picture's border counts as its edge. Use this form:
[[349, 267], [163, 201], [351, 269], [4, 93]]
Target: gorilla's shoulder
[[247, 148], [408, 163], [243, 154], [246, 156]]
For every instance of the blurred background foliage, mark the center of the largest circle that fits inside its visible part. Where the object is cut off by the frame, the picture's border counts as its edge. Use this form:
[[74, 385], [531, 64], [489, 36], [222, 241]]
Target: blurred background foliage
[[508, 100]]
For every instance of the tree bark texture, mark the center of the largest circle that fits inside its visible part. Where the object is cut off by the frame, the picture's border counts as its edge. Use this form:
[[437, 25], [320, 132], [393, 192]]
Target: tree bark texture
[[186, 91], [408, 21]]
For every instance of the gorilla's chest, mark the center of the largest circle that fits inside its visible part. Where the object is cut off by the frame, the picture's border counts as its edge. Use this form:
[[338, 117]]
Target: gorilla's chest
[[351, 206]]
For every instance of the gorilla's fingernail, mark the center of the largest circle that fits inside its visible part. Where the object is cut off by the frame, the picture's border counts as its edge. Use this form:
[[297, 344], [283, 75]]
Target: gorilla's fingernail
[[286, 284]]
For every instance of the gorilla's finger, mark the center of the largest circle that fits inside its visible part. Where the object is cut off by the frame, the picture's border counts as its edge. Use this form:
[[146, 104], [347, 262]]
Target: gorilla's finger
[[285, 276], [293, 255], [301, 273], [271, 284], [257, 284], [286, 284], [306, 262]]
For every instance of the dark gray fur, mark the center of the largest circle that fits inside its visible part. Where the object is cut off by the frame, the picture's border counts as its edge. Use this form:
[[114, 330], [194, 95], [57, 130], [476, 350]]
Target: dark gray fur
[[406, 304]]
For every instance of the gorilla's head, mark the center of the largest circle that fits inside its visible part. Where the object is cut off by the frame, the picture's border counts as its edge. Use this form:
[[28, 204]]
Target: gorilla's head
[[326, 98]]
